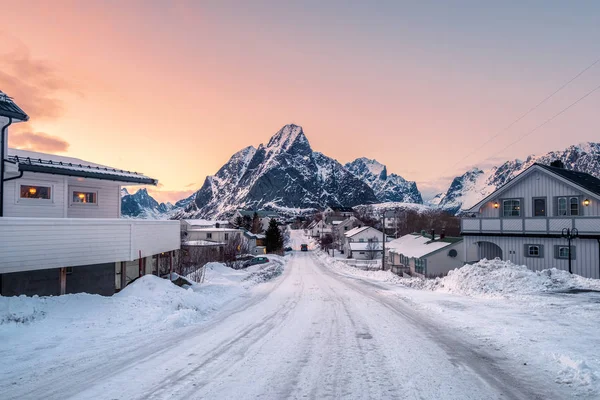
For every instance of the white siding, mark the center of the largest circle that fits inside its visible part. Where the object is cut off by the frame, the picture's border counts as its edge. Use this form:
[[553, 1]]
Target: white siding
[[539, 184], [40, 243], [440, 262], [16, 207], [587, 257], [109, 199]]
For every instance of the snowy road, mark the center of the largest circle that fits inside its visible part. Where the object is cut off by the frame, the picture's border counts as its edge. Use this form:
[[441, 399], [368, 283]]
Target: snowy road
[[312, 333]]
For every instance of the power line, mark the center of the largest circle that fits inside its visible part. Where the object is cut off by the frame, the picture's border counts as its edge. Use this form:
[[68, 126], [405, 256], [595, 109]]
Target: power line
[[548, 120], [528, 112]]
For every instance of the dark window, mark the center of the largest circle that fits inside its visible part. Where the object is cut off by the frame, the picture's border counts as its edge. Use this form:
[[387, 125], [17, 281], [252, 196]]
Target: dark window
[[69, 270], [534, 251], [227, 236], [209, 235], [511, 208], [452, 253], [35, 192], [85, 197], [574, 205], [539, 207], [562, 206]]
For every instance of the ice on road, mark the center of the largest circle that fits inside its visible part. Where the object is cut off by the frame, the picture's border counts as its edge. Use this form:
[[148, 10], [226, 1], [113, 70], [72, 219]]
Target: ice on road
[[311, 333]]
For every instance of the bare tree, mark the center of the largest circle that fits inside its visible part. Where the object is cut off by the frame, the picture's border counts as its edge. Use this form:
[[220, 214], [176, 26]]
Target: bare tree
[[192, 260], [236, 246], [372, 249], [326, 242]]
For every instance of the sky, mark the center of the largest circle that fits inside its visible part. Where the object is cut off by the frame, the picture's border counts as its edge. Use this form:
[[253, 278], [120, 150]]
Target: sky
[[173, 89]]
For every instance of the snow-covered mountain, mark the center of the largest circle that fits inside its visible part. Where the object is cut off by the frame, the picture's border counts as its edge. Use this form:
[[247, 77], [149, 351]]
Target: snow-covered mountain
[[471, 187], [387, 187], [285, 173], [142, 205]]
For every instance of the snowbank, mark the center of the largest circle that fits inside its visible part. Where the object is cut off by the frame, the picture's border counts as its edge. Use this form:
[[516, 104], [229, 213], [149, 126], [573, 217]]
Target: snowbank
[[496, 277]]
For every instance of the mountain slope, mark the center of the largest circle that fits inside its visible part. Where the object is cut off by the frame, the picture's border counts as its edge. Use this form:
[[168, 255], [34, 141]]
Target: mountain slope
[[474, 185], [387, 187], [285, 173], [142, 205]]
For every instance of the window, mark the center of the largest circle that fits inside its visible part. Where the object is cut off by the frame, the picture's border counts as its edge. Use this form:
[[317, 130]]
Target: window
[[209, 235], [574, 206], [362, 252], [452, 253], [534, 251], [69, 270], [562, 206], [35, 192], [361, 240], [539, 207], [568, 206], [562, 252], [79, 197], [511, 208], [227, 236]]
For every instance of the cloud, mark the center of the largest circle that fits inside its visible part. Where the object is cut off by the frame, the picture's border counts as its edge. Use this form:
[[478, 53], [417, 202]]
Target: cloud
[[35, 85], [189, 185], [38, 141]]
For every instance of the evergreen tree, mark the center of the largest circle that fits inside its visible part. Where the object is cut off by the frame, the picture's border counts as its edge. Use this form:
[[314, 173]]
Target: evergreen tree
[[239, 222], [274, 238], [256, 224], [247, 222]]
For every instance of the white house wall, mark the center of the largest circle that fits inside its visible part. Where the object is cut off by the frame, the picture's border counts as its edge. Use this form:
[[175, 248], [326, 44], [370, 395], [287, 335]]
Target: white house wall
[[539, 184], [108, 195], [440, 262], [586, 255]]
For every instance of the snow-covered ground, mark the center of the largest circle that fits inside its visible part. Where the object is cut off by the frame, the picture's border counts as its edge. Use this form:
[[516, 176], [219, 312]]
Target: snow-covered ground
[[547, 320]]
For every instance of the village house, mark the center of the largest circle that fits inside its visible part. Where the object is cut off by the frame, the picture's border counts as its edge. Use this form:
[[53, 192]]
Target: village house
[[365, 243], [318, 229], [60, 223], [337, 213], [425, 255], [529, 220]]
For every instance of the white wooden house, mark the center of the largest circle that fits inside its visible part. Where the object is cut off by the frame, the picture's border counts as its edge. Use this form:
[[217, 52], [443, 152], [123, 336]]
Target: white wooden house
[[60, 225], [425, 255], [363, 243], [525, 221]]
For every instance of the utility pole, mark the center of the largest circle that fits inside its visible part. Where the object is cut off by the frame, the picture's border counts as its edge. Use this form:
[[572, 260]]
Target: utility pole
[[570, 234], [383, 252]]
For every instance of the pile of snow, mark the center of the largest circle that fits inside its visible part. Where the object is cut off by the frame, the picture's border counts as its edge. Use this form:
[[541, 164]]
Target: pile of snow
[[358, 270], [497, 278]]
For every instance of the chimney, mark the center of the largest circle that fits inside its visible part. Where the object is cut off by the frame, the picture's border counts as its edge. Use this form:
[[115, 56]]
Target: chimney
[[557, 164], [443, 234]]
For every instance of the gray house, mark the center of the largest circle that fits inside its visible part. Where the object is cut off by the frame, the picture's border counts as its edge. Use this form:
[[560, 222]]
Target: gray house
[[527, 220]]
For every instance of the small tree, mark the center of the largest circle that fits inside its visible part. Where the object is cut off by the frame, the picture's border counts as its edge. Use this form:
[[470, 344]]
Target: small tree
[[372, 249], [239, 221], [273, 238], [247, 225], [256, 224], [236, 245], [326, 242]]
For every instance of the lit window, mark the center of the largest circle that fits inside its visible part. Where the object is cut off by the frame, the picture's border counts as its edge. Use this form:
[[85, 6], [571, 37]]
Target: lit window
[[539, 207], [511, 208], [84, 197], [35, 192]]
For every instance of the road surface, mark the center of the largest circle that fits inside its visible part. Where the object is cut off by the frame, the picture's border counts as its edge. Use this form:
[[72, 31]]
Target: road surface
[[312, 334]]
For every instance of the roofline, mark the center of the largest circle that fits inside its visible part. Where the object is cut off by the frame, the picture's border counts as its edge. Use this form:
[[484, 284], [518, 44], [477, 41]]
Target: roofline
[[519, 177], [54, 170], [16, 116]]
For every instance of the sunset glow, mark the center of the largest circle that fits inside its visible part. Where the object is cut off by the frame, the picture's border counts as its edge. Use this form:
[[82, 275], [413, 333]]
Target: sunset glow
[[173, 90]]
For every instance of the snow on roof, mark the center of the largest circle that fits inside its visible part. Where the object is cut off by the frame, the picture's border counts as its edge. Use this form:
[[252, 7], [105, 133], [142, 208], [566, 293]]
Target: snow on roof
[[69, 166], [202, 243], [213, 229], [365, 246], [355, 231], [336, 222], [204, 222], [417, 246]]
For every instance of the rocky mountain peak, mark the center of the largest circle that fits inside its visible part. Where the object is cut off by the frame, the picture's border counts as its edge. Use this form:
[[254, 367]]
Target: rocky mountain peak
[[289, 139]]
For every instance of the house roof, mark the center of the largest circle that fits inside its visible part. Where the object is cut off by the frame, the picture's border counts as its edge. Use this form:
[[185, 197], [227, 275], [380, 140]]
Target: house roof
[[213, 229], [582, 179], [418, 246], [355, 231], [202, 243], [204, 222], [260, 213], [586, 182], [8, 108], [60, 165]]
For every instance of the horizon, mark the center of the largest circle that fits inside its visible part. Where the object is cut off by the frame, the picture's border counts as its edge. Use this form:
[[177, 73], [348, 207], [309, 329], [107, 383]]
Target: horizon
[[175, 90]]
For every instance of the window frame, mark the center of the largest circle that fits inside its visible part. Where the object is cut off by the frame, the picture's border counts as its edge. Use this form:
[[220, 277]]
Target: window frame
[[80, 189], [226, 235], [528, 253], [520, 200], [533, 209], [36, 201], [209, 235], [568, 204]]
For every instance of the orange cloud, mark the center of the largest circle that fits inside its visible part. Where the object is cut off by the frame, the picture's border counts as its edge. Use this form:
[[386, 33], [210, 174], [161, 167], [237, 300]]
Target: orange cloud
[[38, 141], [35, 84]]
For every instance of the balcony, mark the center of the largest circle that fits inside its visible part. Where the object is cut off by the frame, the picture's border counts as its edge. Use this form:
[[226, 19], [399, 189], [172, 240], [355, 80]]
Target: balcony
[[40, 243], [544, 226]]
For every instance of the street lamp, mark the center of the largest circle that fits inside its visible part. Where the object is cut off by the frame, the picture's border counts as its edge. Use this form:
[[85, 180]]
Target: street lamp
[[570, 234]]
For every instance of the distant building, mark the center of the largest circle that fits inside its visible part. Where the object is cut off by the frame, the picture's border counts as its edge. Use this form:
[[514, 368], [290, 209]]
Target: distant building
[[363, 243], [425, 255], [338, 211], [265, 216]]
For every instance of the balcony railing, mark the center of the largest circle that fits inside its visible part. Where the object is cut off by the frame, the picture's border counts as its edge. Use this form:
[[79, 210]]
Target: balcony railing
[[550, 225], [41, 243]]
